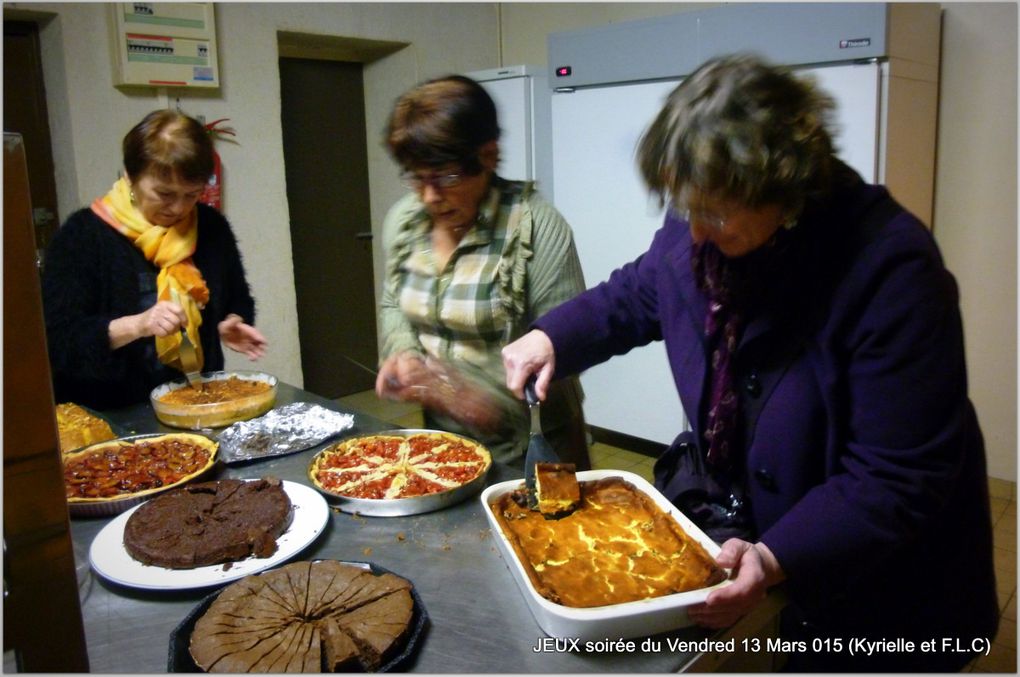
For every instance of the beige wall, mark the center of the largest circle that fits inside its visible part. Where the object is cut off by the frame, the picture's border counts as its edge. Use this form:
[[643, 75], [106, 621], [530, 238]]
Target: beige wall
[[976, 207], [88, 117], [526, 25], [975, 218]]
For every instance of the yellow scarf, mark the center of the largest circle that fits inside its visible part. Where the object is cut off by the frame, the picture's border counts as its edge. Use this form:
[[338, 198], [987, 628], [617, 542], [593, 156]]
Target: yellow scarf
[[171, 249]]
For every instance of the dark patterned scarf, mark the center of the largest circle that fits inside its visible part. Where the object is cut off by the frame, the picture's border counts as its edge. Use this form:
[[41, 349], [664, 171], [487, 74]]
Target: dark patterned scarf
[[724, 325], [735, 288]]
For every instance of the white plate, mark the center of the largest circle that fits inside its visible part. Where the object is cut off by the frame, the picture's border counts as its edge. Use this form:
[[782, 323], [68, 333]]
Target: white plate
[[111, 560], [628, 619]]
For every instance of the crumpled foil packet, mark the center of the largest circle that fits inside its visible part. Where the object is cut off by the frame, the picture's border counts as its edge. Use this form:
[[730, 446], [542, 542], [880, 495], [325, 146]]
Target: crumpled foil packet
[[285, 430]]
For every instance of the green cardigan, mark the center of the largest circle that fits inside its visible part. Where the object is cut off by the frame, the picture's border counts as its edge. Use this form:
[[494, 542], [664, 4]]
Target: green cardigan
[[539, 269]]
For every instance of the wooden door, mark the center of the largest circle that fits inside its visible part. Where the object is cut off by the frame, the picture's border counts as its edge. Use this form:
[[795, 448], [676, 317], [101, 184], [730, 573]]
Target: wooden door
[[42, 616], [325, 153], [25, 113]]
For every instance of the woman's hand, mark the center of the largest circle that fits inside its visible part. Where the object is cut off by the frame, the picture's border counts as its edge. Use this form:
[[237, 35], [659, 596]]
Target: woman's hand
[[532, 353], [400, 375], [242, 338], [755, 569], [162, 319]]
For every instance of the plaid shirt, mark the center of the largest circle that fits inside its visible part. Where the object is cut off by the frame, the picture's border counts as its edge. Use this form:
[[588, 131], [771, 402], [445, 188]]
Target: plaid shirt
[[463, 311], [514, 264], [456, 312]]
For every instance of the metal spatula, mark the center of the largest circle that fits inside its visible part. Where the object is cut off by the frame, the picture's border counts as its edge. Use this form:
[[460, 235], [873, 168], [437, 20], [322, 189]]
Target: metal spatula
[[539, 450], [187, 353]]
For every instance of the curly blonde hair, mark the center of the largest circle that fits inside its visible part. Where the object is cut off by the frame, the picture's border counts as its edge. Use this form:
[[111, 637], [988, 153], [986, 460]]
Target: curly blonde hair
[[744, 131]]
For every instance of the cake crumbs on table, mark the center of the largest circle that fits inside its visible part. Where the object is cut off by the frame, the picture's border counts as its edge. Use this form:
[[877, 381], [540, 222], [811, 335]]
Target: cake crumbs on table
[[401, 536], [367, 552]]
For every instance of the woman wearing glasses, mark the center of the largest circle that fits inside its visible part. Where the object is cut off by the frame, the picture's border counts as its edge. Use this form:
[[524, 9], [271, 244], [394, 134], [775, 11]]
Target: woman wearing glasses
[[816, 342], [125, 276], [472, 259]]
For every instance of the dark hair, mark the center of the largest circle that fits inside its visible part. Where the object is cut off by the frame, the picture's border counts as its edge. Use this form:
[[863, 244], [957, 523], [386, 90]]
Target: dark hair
[[442, 121], [742, 130], [168, 144]]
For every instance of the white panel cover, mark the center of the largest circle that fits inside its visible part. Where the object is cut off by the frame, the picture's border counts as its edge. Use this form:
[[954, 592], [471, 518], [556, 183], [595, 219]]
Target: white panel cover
[[856, 90], [513, 106], [599, 191]]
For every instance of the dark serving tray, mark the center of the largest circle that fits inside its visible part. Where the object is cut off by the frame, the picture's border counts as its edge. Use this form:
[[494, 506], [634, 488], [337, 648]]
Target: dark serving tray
[[180, 660]]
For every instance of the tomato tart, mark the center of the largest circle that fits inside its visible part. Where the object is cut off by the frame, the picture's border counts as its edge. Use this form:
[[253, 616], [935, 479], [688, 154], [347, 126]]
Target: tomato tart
[[109, 477], [384, 469]]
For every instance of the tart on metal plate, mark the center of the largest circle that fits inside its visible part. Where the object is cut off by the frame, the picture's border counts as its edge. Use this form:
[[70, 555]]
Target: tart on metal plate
[[109, 477], [400, 472]]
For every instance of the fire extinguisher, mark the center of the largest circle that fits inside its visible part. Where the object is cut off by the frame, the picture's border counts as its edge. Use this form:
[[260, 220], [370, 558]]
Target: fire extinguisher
[[213, 193]]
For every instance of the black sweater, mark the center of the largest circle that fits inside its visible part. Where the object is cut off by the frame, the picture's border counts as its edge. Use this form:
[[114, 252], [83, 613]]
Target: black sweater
[[94, 275]]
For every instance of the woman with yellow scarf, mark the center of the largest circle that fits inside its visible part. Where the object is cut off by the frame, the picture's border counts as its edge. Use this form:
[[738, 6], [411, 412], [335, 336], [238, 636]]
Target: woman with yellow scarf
[[124, 277]]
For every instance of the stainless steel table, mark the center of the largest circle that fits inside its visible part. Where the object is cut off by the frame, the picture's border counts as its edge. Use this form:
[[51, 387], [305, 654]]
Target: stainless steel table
[[479, 622]]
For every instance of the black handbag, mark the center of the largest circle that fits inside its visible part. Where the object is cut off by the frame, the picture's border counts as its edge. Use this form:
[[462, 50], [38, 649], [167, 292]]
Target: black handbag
[[715, 503]]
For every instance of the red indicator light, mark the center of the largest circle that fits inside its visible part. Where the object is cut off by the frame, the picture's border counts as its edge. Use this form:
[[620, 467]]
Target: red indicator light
[[563, 71]]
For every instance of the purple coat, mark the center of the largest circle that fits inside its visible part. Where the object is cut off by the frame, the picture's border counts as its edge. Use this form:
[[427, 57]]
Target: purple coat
[[865, 465]]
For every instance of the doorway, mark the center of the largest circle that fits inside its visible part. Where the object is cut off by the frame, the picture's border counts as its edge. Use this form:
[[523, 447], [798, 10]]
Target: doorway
[[25, 113], [326, 168]]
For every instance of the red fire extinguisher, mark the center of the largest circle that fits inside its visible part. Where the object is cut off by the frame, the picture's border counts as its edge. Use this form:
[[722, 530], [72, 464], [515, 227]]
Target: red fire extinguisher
[[213, 193]]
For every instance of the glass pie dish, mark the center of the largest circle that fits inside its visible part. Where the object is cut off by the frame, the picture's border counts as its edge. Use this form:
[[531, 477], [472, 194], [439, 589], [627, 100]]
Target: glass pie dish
[[231, 396]]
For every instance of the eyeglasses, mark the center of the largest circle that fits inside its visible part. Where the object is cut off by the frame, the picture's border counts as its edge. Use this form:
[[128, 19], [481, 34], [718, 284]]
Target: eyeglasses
[[437, 181], [713, 219]]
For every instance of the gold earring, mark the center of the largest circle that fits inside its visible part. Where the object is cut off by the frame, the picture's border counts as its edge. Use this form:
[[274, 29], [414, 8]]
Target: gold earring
[[132, 195]]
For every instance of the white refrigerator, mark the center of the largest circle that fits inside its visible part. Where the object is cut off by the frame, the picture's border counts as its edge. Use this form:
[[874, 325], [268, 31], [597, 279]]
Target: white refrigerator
[[522, 97]]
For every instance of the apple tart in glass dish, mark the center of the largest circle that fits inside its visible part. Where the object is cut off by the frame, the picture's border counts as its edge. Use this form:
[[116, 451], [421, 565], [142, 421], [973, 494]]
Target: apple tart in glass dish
[[224, 397]]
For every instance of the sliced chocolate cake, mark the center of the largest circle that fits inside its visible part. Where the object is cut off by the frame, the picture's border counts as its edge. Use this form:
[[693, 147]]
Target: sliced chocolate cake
[[209, 523], [305, 617]]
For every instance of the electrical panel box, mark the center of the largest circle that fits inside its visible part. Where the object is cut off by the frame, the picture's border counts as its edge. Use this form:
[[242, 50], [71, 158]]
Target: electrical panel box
[[164, 44]]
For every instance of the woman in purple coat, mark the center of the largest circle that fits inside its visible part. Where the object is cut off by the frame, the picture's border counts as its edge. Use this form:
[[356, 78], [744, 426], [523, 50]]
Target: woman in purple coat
[[815, 339]]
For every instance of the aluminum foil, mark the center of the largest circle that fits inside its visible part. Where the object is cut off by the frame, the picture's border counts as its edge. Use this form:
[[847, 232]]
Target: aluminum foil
[[285, 430]]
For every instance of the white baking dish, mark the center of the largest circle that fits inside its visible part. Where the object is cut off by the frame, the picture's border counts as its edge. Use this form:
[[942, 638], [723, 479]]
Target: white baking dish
[[627, 620]]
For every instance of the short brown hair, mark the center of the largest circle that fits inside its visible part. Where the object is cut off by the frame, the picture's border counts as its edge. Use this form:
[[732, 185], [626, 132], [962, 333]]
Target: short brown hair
[[168, 144], [742, 130], [442, 121]]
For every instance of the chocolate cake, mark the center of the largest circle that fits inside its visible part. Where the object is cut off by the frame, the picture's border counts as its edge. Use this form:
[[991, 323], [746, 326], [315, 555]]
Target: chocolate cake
[[340, 653], [209, 523], [305, 617]]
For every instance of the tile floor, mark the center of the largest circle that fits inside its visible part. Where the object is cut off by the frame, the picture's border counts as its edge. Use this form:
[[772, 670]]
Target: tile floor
[[1001, 658]]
